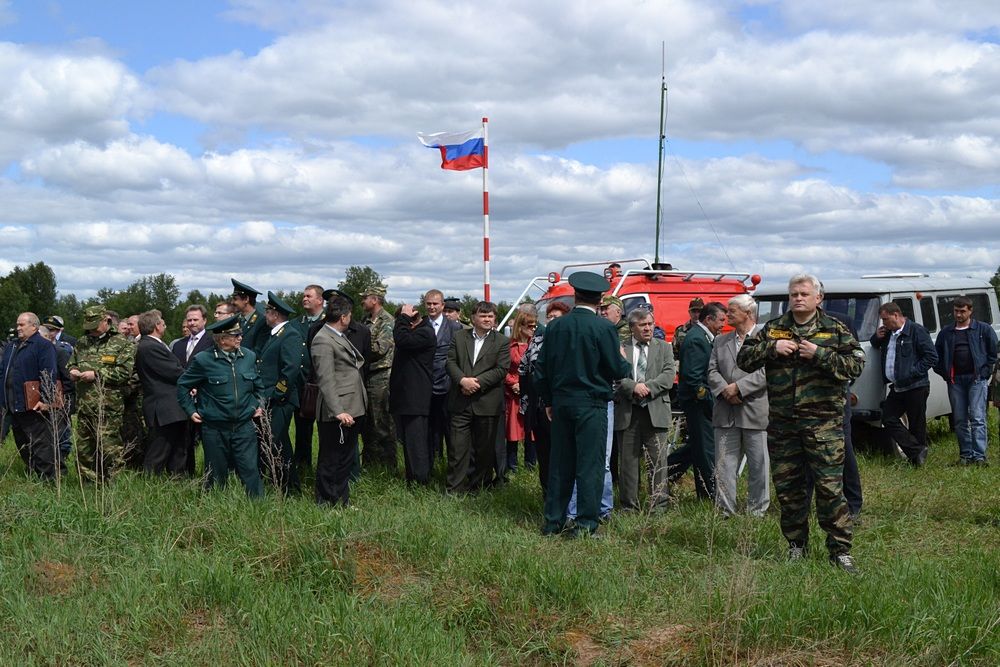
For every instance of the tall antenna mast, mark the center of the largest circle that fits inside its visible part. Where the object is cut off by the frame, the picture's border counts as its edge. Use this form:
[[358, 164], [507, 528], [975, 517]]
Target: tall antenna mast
[[663, 136]]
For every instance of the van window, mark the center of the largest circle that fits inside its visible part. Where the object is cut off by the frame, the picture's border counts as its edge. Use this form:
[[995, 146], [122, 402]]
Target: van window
[[927, 312], [859, 311], [905, 304], [980, 308], [631, 302]]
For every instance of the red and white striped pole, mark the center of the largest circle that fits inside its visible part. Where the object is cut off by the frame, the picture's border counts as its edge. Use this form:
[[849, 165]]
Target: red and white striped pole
[[486, 213]]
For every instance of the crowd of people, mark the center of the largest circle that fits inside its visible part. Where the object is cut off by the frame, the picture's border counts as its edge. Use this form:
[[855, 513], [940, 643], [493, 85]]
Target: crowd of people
[[584, 397]]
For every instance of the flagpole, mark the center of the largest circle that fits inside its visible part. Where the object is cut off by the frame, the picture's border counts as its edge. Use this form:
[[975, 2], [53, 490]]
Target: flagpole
[[486, 213]]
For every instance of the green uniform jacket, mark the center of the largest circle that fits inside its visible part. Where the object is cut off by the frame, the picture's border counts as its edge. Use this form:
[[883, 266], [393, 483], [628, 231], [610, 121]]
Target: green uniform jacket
[[692, 383], [228, 392], [112, 357], [580, 360], [383, 346], [280, 366], [255, 329], [800, 388]]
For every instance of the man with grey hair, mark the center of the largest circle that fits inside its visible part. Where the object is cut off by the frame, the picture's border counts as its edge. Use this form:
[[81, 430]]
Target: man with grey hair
[[808, 358], [739, 414]]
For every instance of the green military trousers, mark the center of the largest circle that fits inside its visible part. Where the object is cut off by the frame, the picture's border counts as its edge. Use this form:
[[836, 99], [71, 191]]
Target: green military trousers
[[797, 449], [100, 452], [231, 447], [577, 454]]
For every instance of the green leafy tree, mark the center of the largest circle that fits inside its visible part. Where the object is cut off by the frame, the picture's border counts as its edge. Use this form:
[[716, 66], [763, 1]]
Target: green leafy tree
[[357, 278], [995, 281], [13, 302], [38, 283]]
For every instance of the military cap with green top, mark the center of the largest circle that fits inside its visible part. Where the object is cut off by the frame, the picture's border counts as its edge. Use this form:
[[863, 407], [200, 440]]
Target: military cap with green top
[[275, 303], [612, 300], [230, 325], [589, 284], [377, 289], [697, 303], [93, 316], [242, 289]]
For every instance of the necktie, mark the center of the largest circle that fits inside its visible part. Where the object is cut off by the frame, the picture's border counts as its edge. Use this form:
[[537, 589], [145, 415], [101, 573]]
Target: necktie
[[190, 348], [640, 368]]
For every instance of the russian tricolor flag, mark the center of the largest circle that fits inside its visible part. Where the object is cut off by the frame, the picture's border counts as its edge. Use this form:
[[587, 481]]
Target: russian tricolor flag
[[459, 150]]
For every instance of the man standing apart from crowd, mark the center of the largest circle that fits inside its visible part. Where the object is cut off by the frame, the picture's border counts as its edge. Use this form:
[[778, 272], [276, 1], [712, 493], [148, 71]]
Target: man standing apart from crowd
[[907, 354], [574, 374], [379, 433], [102, 367], [808, 358], [230, 394], [967, 353]]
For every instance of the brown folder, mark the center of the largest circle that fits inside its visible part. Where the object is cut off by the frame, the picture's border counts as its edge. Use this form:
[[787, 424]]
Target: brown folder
[[33, 395]]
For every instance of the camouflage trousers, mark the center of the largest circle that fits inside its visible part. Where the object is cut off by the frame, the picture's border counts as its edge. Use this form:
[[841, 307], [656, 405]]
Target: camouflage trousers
[[100, 452], [379, 435], [797, 451]]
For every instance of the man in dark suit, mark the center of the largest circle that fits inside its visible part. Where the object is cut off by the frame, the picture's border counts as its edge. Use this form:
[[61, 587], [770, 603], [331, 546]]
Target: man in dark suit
[[696, 400], [477, 362], [576, 369], [642, 412], [341, 404], [444, 331], [410, 382], [197, 340], [158, 372], [313, 305], [280, 366]]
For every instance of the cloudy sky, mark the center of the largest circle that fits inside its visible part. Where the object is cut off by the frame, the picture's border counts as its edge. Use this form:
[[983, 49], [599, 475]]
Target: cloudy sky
[[276, 141]]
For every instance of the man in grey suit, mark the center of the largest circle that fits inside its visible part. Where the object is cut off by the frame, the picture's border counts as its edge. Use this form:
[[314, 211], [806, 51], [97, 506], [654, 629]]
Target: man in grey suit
[[340, 405], [642, 412], [739, 414], [477, 363]]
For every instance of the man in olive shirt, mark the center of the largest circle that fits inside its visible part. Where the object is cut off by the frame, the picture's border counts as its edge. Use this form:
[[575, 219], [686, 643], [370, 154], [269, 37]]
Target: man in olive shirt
[[578, 365]]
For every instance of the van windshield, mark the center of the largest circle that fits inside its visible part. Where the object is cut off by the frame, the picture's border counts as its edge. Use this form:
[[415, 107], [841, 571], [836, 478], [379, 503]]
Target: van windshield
[[858, 311]]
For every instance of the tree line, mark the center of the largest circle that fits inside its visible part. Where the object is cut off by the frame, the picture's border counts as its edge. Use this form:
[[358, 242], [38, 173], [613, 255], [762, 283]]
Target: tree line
[[34, 288]]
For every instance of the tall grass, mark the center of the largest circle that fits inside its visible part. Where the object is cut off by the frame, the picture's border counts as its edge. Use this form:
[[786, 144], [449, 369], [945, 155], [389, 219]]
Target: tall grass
[[163, 573]]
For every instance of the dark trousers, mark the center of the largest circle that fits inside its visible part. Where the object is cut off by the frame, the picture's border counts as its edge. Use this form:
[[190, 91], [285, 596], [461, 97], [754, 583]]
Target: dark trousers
[[438, 426], [276, 451], [36, 443], [913, 404], [232, 447], [337, 449], [473, 445], [167, 449], [699, 450], [530, 453], [418, 455], [540, 431], [579, 443], [303, 441], [191, 438]]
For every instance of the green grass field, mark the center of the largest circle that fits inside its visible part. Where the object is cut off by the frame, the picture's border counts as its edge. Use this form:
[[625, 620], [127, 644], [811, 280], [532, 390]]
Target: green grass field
[[156, 572]]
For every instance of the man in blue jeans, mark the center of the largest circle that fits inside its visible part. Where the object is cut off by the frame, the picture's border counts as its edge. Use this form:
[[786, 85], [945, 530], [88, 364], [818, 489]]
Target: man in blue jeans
[[967, 353]]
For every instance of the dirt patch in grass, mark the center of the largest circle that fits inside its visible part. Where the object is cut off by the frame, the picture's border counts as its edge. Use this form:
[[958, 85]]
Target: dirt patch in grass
[[663, 645], [380, 573], [586, 650], [51, 578], [201, 622]]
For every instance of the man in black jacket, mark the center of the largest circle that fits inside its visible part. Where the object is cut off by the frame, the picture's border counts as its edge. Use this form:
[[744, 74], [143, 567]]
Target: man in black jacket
[[410, 382], [907, 355], [444, 330], [159, 369]]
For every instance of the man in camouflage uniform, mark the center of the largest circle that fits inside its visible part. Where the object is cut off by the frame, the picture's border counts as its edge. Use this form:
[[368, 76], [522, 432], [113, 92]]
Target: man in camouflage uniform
[[102, 367], [809, 357], [613, 310], [379, 434], [694, 309]]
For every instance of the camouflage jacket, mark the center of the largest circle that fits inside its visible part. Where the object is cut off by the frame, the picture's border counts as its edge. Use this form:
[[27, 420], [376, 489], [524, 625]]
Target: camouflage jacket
[[112, 357], [382, 344], [679, 334], [624, 332], [800, 388]]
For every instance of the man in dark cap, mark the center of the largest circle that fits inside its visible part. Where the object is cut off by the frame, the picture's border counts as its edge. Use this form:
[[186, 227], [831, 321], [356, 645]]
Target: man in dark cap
[[453, 311], [55, 323], [255, 329], [280, 368], [575, 371], [230, 394], [694, 309]]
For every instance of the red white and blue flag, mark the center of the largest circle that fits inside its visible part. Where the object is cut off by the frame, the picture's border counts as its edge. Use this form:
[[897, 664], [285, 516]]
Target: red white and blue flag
[[459, 150]]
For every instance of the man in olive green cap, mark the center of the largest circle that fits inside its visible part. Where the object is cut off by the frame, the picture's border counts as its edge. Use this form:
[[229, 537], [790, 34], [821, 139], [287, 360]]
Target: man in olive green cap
[[280, 368], [574, 374], [379, 436], [230, 394], [613, 310], [251, 313], [102, 366], [694, 309]]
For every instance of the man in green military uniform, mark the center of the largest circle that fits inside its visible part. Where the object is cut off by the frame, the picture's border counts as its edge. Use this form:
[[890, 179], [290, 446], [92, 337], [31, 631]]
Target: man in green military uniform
[[251, 313], [809, 357], [102, 367], [379, 433], [574, 374], [280, 369], [230, 394], [613, 310], [694, 309]]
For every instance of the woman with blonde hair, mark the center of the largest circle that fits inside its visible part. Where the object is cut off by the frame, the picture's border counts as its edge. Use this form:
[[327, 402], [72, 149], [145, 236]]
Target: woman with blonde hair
[[525, 324]]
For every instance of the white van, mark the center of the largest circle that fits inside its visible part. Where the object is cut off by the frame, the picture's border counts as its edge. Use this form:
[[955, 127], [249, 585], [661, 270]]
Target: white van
[[922, 299]]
